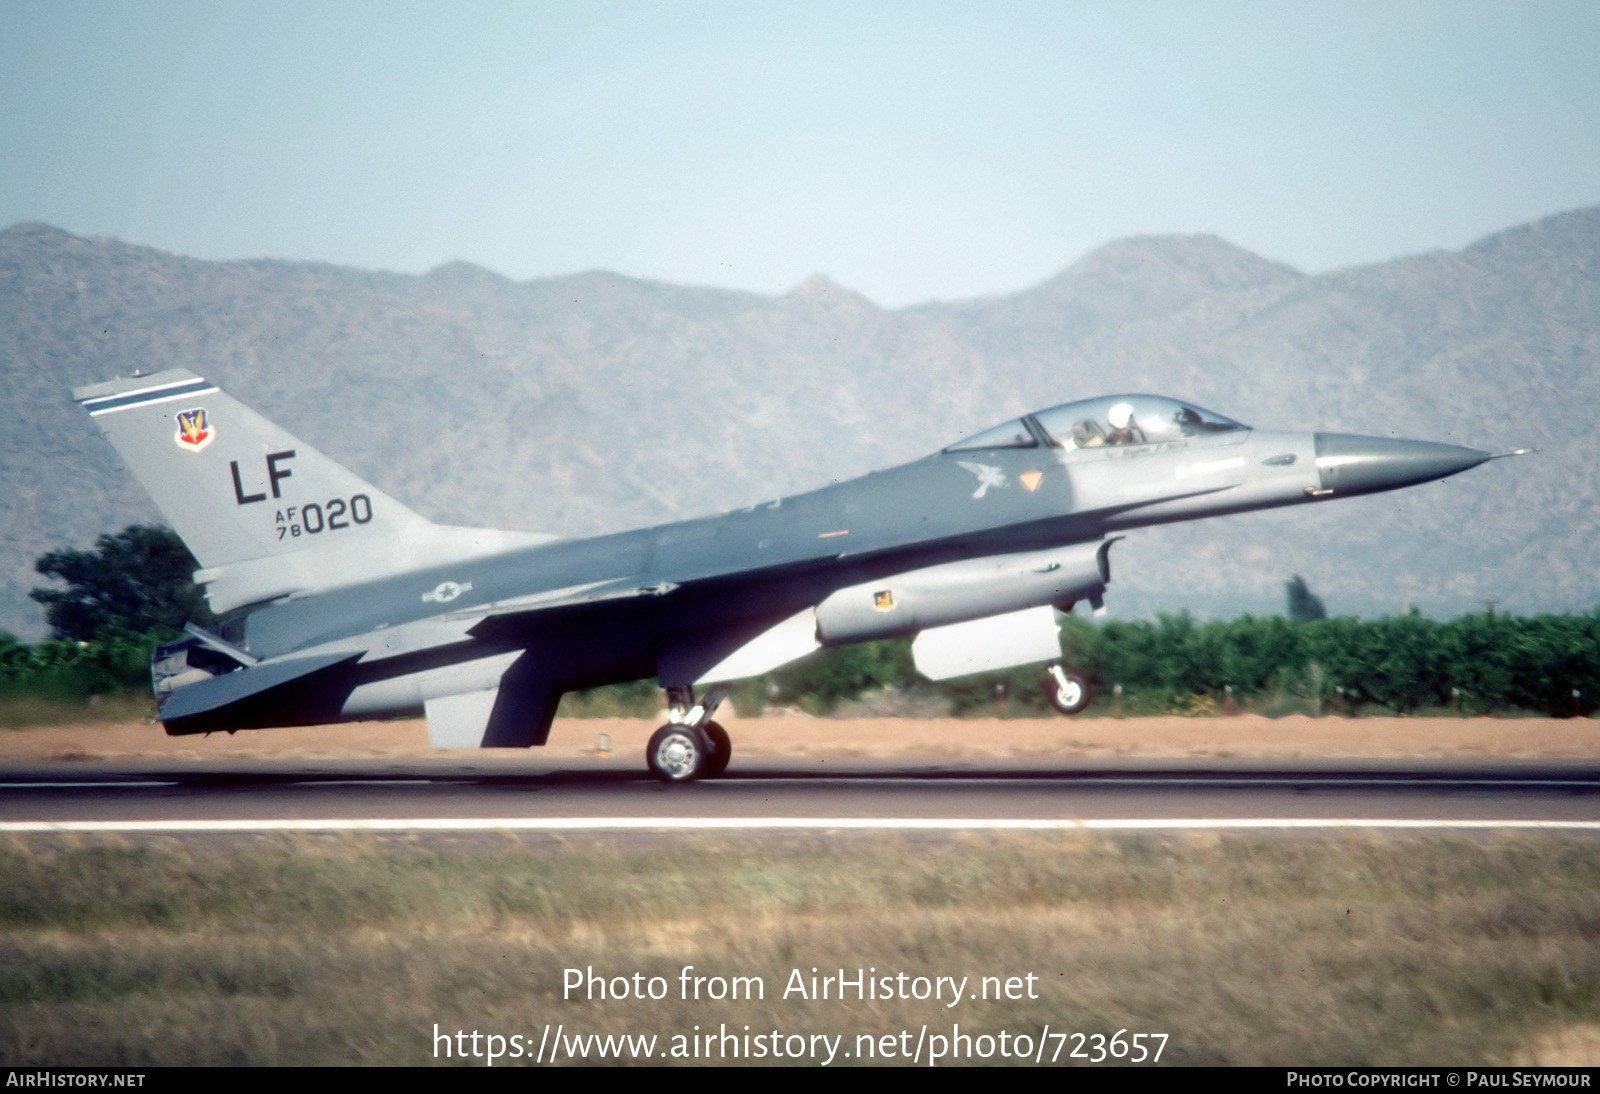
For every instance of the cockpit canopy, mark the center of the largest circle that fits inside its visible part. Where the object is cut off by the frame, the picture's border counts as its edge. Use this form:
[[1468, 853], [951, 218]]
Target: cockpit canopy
[[1107, 421]]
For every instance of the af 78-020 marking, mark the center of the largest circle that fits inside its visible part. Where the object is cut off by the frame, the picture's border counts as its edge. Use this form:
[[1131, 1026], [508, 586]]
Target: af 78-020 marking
[[352, 606]]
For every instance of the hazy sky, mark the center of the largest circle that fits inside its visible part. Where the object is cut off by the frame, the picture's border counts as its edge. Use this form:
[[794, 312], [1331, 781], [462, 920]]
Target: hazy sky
[[909, 151]]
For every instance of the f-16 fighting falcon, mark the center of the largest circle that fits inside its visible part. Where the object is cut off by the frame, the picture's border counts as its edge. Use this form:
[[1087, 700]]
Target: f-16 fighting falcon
[[347, 605]]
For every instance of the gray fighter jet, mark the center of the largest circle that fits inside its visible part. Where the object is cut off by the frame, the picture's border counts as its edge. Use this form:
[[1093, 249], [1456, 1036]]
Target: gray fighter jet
[[347, 605]]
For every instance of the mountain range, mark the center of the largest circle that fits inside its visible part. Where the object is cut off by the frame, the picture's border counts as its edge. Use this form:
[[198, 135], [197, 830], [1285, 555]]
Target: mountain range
[[594, 402]]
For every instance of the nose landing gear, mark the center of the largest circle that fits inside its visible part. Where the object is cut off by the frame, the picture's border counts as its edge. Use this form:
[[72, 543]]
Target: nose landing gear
[[1067, 691]]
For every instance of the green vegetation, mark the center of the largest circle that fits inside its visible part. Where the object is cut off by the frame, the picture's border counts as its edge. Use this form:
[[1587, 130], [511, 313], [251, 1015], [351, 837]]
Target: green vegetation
[[121, 600], [64, 680], [1477, 663], [1245, 950], [136, 580], [1304, 605]]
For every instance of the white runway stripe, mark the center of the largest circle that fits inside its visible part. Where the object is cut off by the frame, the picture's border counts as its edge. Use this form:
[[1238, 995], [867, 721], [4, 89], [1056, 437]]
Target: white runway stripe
[[81, 785], [596, 824]]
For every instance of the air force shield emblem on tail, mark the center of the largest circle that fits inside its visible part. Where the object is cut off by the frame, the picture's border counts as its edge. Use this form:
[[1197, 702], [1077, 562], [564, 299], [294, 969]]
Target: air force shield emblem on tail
[[194, 430]]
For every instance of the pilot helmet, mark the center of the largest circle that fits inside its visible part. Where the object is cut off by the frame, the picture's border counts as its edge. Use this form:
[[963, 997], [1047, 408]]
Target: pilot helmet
[[1120, 415]]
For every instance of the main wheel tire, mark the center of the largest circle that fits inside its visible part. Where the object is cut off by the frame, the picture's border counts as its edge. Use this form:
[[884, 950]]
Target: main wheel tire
[[677, 754], [1073, 698], [721, 750]]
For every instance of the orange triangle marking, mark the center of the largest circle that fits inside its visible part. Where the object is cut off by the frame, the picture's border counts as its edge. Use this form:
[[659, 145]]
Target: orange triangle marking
[[1030, 479]]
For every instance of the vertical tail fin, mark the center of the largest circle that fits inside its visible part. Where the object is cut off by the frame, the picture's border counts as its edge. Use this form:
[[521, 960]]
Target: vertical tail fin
[[232, 484], [265, 514]]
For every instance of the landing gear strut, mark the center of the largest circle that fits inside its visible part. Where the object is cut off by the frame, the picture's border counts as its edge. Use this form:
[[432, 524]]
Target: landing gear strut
[[1067, 691], [690, 745]]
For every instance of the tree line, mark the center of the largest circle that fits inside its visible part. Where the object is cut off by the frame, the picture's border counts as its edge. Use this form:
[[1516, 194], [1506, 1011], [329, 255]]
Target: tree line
[[1480, 663]]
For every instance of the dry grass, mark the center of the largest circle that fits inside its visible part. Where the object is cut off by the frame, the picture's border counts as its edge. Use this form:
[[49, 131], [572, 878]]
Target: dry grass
[[1245, 950]]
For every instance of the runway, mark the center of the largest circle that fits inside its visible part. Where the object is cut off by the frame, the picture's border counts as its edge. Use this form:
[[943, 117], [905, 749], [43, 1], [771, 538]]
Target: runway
[[575, 794]]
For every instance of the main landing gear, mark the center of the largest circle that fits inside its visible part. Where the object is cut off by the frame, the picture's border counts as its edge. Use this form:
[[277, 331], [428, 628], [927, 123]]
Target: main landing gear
[[1067, 691], [690, 745]]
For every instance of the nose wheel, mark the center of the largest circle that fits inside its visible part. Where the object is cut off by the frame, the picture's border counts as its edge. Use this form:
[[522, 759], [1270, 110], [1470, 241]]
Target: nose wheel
[[1067, 691]]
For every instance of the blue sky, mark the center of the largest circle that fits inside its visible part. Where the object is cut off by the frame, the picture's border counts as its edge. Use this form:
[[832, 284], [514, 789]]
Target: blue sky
[[909, 151]]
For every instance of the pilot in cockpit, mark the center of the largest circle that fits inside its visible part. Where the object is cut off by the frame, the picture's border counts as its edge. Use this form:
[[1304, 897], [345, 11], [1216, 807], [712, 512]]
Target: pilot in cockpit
[[1123, 429]]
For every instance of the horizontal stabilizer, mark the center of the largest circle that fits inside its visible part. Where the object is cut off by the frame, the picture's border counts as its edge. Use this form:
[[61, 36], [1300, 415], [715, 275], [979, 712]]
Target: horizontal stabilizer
[[219, 691]]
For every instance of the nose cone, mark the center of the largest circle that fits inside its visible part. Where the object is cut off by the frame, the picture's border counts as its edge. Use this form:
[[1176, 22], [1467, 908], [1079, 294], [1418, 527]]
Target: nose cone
[[1348, 464]]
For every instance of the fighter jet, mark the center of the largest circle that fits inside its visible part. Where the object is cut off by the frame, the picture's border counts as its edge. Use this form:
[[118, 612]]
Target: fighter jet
[[340, 603]]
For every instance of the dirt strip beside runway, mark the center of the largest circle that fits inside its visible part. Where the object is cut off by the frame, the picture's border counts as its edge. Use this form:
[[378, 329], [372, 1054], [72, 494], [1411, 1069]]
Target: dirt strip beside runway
[[1241, 737]]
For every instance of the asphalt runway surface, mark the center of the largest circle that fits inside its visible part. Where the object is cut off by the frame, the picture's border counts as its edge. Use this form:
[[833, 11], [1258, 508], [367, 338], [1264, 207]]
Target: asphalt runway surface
[[427, 795]]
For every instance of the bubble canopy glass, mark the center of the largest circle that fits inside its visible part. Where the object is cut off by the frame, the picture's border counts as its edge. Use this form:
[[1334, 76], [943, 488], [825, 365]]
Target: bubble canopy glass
[[1108, 421]]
